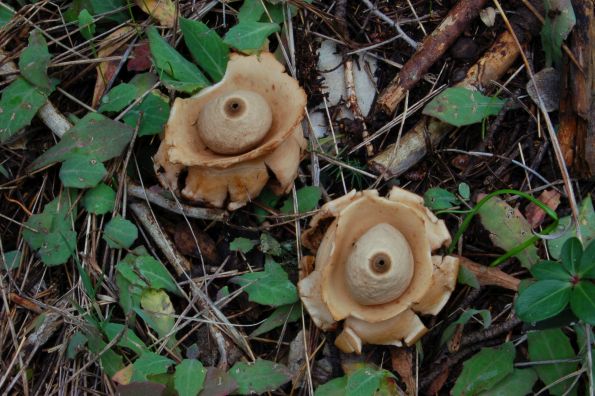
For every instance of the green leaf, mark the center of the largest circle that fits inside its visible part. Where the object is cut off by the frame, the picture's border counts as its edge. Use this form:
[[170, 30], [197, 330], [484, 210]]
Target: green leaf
[[559, 21], [268, 199], [34, 61], [438, 199], [508, 228], [242, 244], [6, 14], [280, 316], [363, 382], [250, 11], [307, 199], [100, 199], [362, 379], [259, 377], [56, 216], [86, 24], [76, 342], [128, 340], [552, 344], [542, 300], [81, 172], [4, 172], [587, 266], [464, 191], [206, 47], [247, 36], [123, 94], [572, 250], [129, 293], [218, 383], [120, 233], [38, 227], [107, 7], [173, 68], [582, 301], [19, 103], [154, 110], [545, 270], [586, 219], [110, 361], [484, 370], [118, 98], [50, 232], [519, 383], [11, 260], [158, 312], [189, 377], [94, 136], [270, 287], [57, 247], [459, 106], [149, 363], [156, 274], [467, 277], [270, 245], [335, 387]]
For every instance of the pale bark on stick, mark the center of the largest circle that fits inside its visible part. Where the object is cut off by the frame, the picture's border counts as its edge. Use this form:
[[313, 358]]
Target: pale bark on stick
[[48, 113], [432, 49], [53, 119], [137, 191], [353, 104], [488, 276], [492, 65]]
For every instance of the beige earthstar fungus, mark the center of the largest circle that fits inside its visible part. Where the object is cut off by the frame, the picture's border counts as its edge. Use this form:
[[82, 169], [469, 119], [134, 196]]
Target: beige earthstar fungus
[[223, 145], [374, 268]]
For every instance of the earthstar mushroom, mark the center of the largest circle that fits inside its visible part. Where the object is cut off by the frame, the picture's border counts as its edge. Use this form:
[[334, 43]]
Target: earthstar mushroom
[[223, 145], [374, 268]]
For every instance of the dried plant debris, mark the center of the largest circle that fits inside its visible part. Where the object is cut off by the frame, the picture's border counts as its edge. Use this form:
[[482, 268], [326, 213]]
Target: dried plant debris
[[215, 198]]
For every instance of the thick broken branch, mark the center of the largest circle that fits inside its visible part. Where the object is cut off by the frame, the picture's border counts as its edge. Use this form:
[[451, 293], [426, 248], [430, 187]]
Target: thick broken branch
[[432, 49], [493, 64], [488, 276]]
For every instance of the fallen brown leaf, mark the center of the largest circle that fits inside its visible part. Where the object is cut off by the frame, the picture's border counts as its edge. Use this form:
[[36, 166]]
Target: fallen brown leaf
[[402, 363], [163, 11], [186, 240], [111, 45], [534, 214], [141, 57]]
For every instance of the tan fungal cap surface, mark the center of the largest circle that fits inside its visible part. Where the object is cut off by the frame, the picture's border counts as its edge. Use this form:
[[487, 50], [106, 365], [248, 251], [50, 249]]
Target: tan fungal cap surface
[[375, 268], [380, 266], [234, 123], [221, 146]]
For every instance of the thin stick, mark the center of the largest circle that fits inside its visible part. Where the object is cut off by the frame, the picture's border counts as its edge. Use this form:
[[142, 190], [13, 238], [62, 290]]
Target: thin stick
[[134, 190], [389, 21]]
